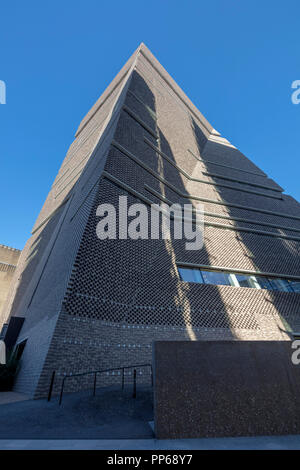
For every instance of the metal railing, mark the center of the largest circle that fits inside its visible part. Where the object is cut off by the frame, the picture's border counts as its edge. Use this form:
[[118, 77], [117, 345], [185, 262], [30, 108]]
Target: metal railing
[[96, 372]]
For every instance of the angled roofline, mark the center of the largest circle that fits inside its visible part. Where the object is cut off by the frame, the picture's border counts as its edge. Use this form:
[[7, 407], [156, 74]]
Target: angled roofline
[[145, 52], [108, 91], [209, 131]]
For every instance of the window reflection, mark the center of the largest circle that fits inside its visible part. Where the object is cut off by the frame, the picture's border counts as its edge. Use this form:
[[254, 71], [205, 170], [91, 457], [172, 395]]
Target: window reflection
[[214, 277], [264, 282], [222, 278], [295, 285], [280, 285], [244, 281], [190, 275]]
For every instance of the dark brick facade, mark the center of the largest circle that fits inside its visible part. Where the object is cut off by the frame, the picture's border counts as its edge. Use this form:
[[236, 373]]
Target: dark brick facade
[[92, 304]]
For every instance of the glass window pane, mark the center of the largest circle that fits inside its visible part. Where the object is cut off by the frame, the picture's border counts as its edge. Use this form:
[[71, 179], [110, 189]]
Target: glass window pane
[[244, 281], [295, 286], [280, 285], [233, 280], [190, 275], [186, 274], [263, 282], [218, 278], [238, 280], [253, 282], [198, 276]]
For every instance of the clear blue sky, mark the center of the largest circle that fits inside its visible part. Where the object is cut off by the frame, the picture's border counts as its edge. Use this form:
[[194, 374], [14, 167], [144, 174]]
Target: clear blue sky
[[235, 59]]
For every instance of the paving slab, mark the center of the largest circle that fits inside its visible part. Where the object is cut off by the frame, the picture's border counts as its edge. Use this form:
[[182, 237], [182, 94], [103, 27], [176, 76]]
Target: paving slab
[[236, 443], [12, 397], [111, 414]]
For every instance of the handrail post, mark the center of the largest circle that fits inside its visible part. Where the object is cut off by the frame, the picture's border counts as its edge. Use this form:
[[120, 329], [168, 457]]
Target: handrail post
[[95, 380], [62, 391], [134, 384], [51, 386]]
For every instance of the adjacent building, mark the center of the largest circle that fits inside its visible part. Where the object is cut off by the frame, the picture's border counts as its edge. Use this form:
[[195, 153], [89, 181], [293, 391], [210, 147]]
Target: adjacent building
[[92, 304], [8, 263]]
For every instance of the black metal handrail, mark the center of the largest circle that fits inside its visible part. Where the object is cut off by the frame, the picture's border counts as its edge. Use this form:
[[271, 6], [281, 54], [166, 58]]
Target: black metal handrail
[[95, 372]]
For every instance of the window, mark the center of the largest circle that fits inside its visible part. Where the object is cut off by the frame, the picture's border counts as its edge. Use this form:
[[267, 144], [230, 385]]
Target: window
[[263, 282], [254, 283], [190, 275], [280, 284], [295, 285], [244, 281], [222, 278], [233, 280], [215, 277]]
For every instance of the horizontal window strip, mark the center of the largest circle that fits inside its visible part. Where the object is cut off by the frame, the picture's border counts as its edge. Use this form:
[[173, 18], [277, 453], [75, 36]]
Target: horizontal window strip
[[196, 198], [227, 166], [227, 217], [139, 121], [197, 180], [210, 224], [235, 279], [216, 175], [207, 267]]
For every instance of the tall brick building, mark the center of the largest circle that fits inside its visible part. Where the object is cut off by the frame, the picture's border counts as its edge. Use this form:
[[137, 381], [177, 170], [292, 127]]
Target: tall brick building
[[94, 304]]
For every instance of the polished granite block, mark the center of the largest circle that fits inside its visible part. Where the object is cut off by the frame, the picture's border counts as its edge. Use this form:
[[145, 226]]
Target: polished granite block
[[225, 388]]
